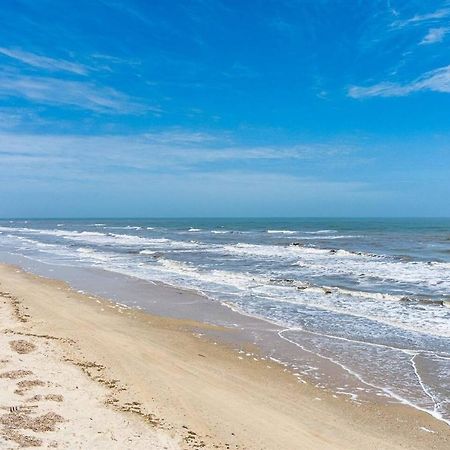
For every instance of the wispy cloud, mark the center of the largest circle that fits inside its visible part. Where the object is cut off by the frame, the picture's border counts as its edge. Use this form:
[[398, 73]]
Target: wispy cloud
[[104, 62], [421, 18], [435, 35], [83, 95], [17, 118], [435, 80], [162, 152], [44, 62]]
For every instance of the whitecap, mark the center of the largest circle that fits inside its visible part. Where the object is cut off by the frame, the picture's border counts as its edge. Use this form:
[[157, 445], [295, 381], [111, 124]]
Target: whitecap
[[319, 232], [147, 252], [281, 231]]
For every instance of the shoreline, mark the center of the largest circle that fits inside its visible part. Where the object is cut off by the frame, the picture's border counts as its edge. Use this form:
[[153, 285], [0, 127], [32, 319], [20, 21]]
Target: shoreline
[[236, 328], [186, 379]]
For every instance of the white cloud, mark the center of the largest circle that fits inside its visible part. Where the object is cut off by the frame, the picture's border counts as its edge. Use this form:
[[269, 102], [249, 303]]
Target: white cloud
[[164, 174], [44, 62], [83, 95], [435, 35], [168, 151], [435, 80], [421, 18]]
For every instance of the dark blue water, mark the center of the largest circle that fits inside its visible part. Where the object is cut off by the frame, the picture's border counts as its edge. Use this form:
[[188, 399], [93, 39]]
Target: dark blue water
[[371, 294]]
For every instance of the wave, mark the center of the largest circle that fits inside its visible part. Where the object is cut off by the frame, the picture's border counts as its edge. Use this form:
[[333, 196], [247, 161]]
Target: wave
[[95, 237], [281, 231], [194, 229], [319, 231], [311, 261], [294, 249], [272, 251], [265, 293], [321, 237], [357, 266], [252, 292], [127, 227], [38, 244], [85, 250], [147, 252]]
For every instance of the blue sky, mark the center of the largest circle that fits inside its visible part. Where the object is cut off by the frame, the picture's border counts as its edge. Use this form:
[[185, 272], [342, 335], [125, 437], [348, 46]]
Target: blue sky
[[224, 108]]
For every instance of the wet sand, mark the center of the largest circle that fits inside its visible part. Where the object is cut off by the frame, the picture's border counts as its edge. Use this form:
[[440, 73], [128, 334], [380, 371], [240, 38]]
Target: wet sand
[[180, 379]]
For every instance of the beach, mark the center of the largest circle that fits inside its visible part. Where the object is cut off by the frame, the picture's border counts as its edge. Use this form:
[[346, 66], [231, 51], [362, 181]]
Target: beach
[[101, 375], [356, 307], [223, 225]]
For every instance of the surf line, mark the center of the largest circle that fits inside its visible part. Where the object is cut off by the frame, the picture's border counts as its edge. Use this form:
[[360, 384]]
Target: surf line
[[434, 413], [422, 385], [372, 344]]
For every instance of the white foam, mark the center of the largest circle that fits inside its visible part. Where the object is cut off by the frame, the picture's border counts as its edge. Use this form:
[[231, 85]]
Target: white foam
[[426, 429], [127, 227], [85, 250], [329, 238], [319, 232], [147, 252], [383, 308], [323, 262], [273, 251], [95, 237], [281, 231], [384, 390]]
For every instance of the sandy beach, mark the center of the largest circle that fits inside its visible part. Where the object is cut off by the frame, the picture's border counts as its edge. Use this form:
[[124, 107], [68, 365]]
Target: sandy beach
[[223, 225], [77, 371]]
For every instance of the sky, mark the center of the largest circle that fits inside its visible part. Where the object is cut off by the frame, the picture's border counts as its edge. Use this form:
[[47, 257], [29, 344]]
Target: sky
[[148, 108]]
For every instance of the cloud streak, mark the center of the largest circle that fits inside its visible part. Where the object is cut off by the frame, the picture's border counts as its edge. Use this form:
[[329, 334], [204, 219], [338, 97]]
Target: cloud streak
[[437, 80], [172, 172], [422, 18], [164, 152], [81, 95], [44, 62]]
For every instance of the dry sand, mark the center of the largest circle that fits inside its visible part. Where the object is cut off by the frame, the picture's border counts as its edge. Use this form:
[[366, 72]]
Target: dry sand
[[82, 372], [47, 402]]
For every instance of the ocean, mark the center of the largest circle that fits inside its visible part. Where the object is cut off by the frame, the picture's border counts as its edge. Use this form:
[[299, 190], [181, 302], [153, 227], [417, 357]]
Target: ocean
[[371, 296]]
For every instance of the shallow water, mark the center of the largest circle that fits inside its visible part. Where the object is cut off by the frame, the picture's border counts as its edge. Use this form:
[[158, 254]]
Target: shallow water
[[371, 296]]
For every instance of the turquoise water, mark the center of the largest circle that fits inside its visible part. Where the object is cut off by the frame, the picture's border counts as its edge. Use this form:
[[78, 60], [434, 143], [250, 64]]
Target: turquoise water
[[373, 295]]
